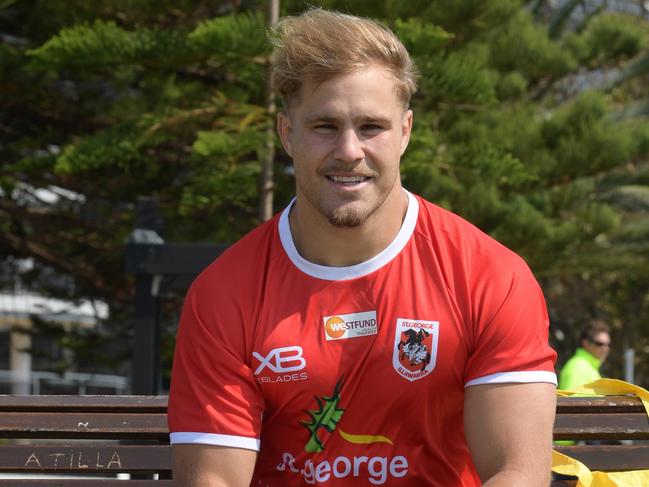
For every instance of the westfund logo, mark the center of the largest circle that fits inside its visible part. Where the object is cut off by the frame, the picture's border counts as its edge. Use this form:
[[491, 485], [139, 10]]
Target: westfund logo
[[340, 327]]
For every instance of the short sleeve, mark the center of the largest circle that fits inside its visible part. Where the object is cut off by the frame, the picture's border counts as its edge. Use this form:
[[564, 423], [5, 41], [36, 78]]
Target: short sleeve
[[214, 398], [510, 326]]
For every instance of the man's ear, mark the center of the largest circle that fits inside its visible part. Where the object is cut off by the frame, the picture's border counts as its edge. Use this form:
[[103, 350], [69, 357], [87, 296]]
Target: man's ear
[[406, 129], [285, 129]]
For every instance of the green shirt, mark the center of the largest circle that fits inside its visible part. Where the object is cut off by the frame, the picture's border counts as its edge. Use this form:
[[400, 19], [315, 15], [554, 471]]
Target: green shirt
[[580, 369]]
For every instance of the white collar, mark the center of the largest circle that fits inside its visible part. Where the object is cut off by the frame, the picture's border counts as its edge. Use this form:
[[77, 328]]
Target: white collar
[[357, 270]]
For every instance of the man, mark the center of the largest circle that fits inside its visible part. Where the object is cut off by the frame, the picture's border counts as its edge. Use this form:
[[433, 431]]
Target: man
[[583, 366], [364, 335]]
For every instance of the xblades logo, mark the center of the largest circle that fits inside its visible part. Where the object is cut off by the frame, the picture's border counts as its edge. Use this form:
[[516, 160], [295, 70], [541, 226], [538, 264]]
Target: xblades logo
[[280, 360], [283, 360]]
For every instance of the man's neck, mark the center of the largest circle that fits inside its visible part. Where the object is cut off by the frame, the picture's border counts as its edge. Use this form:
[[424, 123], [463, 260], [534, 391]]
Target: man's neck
[[320, 242]]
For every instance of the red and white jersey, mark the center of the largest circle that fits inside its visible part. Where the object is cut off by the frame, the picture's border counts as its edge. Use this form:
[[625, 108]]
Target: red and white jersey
[[355, 375]]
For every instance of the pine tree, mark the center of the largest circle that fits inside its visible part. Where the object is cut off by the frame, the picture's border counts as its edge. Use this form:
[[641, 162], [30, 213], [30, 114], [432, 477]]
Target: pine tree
[[103, 102], [530, 121]]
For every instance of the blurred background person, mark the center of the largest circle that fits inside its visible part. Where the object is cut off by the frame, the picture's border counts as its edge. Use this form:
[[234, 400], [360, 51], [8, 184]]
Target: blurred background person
[[583, 366]]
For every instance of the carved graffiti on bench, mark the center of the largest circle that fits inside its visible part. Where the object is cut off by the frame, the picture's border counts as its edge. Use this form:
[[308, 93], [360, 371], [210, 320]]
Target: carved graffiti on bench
[[74, 459]]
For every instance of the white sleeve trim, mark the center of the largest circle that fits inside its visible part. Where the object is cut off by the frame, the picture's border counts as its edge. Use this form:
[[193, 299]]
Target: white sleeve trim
[[513, 377], [214, 439]]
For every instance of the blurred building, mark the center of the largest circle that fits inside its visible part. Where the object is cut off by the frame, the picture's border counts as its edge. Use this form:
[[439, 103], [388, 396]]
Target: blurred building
[[22, 371]]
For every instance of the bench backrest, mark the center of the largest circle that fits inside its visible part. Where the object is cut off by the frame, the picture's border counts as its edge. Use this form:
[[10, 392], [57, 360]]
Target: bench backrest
[[85, 435], [106, 435], [604, 419]]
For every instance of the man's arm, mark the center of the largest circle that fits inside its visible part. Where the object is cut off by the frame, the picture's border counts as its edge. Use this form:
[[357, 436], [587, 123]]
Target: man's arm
[[197, 465], [508, 428]]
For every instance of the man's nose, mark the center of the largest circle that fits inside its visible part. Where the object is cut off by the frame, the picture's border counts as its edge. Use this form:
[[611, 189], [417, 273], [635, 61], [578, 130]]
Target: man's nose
[[349, 147]]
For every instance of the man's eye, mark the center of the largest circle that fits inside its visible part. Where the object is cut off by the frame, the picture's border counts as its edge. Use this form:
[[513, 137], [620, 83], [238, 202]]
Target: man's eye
[[324, 127], [372, 127]]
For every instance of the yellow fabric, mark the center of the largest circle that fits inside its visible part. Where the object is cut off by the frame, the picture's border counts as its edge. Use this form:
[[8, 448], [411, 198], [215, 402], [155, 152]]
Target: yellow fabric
[[566, 465], [609, 387]]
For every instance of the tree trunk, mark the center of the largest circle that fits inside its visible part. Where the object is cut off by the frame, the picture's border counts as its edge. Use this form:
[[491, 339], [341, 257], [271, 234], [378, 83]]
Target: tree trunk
[[267, 186]]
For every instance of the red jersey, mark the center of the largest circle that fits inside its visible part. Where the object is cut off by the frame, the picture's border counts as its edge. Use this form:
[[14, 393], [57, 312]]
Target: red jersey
[[355, 375]]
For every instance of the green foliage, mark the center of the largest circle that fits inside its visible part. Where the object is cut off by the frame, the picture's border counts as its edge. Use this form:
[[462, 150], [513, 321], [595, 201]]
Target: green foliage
[[524, 46], [608, 38], [228, 146], [115, 147], [583, 140], [101, 44], [639, 67], [512, 85], [214, 189], [421, 39], [6, 3], [219, 179], [115, 99], [458, 77], [231, 37], [468, 19]]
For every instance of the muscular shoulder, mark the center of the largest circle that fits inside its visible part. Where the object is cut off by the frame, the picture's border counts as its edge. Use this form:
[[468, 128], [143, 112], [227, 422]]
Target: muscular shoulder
[[236, 276], [465, 248]]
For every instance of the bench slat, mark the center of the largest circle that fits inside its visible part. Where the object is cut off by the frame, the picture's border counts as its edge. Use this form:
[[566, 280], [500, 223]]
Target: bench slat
[[115, 404], [85, 459], [601, 427], [608, 404], [609, 458], [80, 425]]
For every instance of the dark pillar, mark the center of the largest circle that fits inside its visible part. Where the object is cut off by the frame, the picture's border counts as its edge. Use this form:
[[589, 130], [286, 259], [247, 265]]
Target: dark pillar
[[146, 353]]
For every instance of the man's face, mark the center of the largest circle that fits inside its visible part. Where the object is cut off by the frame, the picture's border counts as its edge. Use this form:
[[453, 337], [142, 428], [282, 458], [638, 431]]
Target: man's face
[[346, 136], [598, 345]]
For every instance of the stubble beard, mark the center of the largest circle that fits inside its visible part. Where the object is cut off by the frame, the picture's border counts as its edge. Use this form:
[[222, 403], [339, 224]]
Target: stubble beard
[[343, 218]]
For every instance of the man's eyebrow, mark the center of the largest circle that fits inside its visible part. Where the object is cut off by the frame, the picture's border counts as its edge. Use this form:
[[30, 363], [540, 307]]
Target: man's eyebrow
[[361, 119], [316, 117], [374, 119]]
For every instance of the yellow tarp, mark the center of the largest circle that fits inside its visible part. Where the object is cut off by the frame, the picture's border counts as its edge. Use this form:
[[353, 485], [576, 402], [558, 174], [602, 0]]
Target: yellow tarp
[[569, 466], [566, 465], [609, 387]]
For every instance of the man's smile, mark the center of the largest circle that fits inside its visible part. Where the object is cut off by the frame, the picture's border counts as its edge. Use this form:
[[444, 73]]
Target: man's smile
[[348, 180]]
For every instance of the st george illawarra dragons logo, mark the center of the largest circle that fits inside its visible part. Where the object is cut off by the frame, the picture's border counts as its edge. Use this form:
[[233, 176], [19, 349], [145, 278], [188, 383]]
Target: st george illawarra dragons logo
[[415, 348]]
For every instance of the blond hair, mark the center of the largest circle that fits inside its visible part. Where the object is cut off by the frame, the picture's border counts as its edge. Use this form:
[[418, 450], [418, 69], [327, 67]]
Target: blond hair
[[319, 45]]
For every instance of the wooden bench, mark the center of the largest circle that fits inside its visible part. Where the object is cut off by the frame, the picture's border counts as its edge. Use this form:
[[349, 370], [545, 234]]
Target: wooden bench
[[107, 435], [606, 419], [85, 436]]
